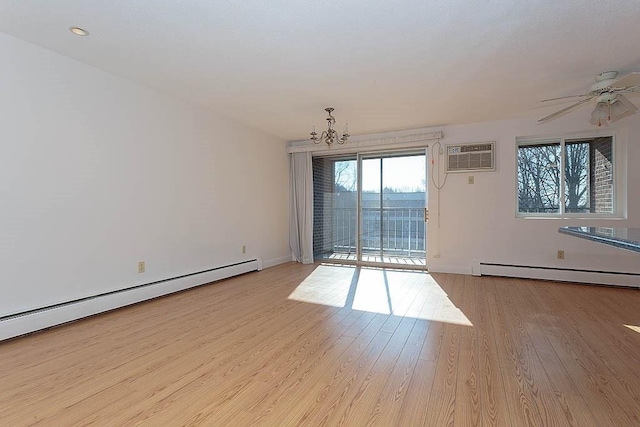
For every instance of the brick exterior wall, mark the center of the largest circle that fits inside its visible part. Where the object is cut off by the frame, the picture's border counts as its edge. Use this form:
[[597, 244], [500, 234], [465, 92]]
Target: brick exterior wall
[[323, 170], [601, 185]]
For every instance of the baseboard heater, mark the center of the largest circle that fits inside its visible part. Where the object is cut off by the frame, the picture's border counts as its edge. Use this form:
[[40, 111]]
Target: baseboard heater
[[613, 278], [45, 317]]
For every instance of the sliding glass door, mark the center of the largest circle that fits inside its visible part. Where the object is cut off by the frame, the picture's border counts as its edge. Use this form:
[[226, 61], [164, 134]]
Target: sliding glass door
[[371, 208], [392, 207]]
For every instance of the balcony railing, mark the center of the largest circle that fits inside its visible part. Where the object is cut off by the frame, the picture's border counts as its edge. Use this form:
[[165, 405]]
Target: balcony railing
[[391, 231]]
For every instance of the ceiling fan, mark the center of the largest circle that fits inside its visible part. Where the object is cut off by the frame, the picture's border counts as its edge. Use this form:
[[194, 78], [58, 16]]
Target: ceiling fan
[[611, 104]]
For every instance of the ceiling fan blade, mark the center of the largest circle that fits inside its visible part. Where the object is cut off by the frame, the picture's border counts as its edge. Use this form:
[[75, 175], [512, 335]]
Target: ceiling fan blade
[[624, 109], [631, 79], [564, 97], [565, 110], [627, 103]]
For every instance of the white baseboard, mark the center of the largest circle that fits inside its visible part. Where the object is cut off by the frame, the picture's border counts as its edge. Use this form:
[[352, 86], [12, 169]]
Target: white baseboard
[[560, 274], [24, 323]]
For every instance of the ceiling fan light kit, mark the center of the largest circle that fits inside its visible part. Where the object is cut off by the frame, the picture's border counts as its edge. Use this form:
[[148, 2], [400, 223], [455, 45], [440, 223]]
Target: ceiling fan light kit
[[600, 114], [607, 91]]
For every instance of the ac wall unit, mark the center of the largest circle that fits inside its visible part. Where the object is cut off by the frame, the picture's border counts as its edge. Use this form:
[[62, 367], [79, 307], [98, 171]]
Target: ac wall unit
[[471, 157]]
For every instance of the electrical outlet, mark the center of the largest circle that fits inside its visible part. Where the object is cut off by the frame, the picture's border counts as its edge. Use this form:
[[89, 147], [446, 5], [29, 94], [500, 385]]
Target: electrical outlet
[[470, 179], [141, 267], [244, 249], [560, 254]]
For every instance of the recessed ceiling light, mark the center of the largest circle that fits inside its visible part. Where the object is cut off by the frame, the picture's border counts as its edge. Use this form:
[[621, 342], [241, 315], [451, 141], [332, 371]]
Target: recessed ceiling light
[[78, 31]]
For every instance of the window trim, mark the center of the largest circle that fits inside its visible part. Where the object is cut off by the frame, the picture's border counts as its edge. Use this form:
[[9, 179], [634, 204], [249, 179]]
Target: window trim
[[618, 147]]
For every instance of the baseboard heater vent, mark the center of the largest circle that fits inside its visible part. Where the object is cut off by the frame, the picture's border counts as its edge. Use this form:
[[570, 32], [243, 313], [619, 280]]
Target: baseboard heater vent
[[45, 317], [614, 278]]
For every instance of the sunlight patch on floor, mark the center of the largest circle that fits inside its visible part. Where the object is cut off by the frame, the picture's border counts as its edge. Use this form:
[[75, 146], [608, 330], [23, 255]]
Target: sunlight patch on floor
[[380, 290], [371, 293], [439, 307], [326, 285], [633, 328]]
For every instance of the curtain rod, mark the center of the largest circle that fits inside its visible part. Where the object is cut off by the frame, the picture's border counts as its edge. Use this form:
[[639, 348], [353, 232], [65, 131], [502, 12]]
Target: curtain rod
[[364, 142]]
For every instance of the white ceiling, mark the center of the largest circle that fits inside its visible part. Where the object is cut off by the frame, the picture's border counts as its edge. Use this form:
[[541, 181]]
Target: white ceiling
[[275, 65]]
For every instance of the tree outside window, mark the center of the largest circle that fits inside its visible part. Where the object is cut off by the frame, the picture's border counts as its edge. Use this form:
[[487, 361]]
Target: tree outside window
[[572, 176]]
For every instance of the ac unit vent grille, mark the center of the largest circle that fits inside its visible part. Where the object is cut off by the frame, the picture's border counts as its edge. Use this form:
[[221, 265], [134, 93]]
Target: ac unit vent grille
[[471, 157]]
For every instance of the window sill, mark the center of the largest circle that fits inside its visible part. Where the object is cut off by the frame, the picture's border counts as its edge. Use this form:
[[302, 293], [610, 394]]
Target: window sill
[[571, 217]]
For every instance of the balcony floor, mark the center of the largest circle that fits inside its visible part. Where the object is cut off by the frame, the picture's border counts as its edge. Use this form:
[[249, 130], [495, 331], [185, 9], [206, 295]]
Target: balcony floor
[[401, 261]]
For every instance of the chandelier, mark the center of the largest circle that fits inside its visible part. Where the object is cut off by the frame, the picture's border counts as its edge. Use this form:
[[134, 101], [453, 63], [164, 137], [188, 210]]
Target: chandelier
[[330, 136]]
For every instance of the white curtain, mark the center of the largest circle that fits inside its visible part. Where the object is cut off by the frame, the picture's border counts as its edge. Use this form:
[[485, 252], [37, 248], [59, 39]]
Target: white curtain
[[301, 207]]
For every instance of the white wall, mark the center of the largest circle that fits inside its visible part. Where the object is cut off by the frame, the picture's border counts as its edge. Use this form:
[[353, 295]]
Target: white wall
[[97, 173], [478, 221]]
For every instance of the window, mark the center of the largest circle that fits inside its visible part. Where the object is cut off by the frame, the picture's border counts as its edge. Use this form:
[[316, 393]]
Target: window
[[573, 177]]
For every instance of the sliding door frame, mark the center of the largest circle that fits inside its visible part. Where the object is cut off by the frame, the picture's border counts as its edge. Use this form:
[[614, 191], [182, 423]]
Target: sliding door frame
[[381, 154], [368, 154]]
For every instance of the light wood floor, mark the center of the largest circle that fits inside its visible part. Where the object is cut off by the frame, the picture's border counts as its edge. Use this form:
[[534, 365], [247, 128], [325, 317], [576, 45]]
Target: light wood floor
[[368, 347]]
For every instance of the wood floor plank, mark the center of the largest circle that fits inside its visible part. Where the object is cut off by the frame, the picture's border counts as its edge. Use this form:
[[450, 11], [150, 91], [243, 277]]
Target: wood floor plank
[[467, 402], [539, 385], [333, 395], [396, 388], [345, 346], [336, 393], [493, 411], [442, 402], [414, 411]]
